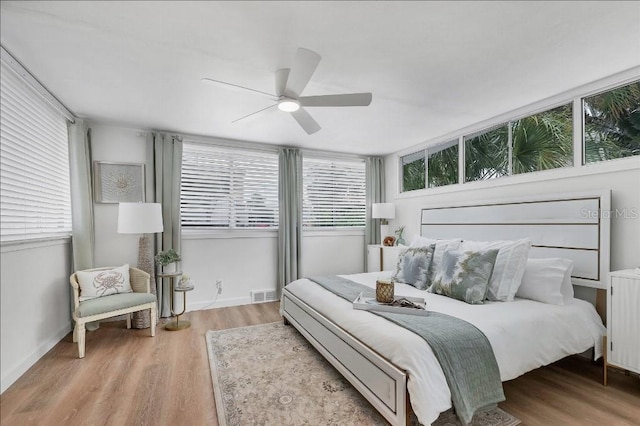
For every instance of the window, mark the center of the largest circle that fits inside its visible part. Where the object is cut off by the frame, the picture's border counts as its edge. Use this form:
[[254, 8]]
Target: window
[[612, 124], [228, 187], [414, 171], [487, 154], [333, 193], [543, 141], [34, 159], [441, 167], [538, 142]]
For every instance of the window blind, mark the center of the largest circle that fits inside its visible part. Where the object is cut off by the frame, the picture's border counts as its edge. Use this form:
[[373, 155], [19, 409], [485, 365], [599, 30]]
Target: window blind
[[35, 200], [228, 187], [333, 193]]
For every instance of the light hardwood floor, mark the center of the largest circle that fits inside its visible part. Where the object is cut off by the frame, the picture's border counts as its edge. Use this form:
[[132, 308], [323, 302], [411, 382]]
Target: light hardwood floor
[[129, 378]]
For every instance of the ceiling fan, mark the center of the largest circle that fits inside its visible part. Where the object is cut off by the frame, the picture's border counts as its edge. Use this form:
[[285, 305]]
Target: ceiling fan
[[289, 86]]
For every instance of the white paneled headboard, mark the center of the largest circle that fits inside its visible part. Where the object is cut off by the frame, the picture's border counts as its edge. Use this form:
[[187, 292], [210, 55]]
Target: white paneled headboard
[[573, 226]]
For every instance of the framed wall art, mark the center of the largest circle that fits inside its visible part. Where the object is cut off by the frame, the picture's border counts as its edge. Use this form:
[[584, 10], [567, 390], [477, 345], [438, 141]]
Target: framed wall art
[[118, 182]]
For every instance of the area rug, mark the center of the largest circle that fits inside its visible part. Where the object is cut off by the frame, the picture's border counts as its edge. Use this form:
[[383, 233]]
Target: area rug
[[270, 375]]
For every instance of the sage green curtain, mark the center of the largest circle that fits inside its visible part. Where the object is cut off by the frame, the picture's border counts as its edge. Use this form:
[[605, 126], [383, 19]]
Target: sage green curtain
[[290, 216], [164, 160], [82, 222], [374, 172]]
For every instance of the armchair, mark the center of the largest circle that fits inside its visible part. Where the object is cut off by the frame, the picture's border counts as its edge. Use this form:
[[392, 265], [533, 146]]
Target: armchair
[[112, 305]]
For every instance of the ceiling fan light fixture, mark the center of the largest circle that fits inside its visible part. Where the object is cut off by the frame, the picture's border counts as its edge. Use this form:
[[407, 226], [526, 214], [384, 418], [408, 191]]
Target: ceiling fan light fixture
[[288, 105], [290, 84]]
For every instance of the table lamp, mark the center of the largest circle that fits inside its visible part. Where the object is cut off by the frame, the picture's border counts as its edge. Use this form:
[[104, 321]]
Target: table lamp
[[145, 219], [383, 211]]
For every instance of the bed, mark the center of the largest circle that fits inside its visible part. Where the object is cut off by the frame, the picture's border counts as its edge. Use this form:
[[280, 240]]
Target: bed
[[396, 369]]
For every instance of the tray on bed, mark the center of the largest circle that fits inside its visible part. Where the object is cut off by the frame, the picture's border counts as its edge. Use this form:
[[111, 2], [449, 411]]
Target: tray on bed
[[370, 304]]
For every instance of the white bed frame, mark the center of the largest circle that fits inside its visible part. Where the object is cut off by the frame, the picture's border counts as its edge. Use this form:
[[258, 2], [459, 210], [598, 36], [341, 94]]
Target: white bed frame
[[567, 225]]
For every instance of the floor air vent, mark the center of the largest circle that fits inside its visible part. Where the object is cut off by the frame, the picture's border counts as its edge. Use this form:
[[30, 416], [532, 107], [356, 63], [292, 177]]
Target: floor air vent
[[260, 296]]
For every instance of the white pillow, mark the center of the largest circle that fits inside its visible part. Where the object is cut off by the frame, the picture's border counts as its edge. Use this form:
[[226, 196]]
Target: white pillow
[[104, 282], [420, 241], [566, 289], [508, 269], [546, 280]]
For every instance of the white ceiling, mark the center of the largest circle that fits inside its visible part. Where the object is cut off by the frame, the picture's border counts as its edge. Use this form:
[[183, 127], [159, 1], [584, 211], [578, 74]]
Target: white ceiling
[[433, 67]]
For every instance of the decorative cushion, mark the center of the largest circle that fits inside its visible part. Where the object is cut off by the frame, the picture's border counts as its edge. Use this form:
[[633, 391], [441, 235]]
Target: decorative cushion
[[509, 266], [438, 253], [413, 266], [547, 281], [465, 275], [104, 282], [100, 305]]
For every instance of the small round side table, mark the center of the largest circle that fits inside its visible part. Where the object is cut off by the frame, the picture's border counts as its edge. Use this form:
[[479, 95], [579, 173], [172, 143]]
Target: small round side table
[[177, 324]]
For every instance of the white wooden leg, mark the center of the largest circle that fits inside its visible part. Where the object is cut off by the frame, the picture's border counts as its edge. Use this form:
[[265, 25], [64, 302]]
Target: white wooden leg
[[81, 334], [75, 332], [128, 321], [153, 314]]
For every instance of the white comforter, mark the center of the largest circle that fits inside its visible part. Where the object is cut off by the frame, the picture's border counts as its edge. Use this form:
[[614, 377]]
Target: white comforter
[[524, 335]]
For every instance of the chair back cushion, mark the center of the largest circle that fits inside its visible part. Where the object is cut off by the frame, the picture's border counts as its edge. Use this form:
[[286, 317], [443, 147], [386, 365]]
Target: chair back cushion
[[101, 305], [104, 282]]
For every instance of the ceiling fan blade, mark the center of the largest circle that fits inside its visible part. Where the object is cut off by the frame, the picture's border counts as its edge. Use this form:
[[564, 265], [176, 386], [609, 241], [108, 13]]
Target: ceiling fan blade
[[282, 75], [253, 113], [306, 121], [234, 87], [346, 100], [304, 65]]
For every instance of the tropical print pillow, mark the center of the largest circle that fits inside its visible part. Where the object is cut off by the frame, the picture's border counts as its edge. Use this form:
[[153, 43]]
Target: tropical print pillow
[[465, 275], [413, 266], [441, 246]]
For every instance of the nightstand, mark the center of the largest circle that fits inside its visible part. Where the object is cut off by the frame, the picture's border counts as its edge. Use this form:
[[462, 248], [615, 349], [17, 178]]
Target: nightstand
[[623, 322], [382, 258]]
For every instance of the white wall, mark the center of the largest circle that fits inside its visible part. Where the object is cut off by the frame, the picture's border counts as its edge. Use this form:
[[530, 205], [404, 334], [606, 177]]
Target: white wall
[[243, 263], [250, 263], [622, 177], [35, 303], [122, 145]]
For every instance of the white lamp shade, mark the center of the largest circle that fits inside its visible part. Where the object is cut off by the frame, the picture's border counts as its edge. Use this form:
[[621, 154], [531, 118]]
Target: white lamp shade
[[139, 218], [383, 211]]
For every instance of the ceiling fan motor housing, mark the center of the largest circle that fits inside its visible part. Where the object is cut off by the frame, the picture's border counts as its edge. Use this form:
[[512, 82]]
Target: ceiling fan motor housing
[[288, 104]]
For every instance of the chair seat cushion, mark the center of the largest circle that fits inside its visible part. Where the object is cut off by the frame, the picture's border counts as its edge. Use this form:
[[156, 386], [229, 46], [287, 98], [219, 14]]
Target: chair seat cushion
[[112, 303]]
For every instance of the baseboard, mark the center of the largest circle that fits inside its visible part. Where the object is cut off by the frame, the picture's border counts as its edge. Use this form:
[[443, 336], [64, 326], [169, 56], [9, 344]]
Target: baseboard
[[9, 378], [220, 303]]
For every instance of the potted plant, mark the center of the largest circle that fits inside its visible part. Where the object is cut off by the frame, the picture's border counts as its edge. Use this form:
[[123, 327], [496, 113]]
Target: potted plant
[[168, 260]]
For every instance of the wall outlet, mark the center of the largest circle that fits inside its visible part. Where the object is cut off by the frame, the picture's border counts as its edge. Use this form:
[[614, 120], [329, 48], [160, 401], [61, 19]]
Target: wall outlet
[[219, 286]]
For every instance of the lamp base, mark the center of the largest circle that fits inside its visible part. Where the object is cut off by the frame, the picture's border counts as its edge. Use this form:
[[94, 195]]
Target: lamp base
[[177, 325], [384, 232], [145, 262]]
